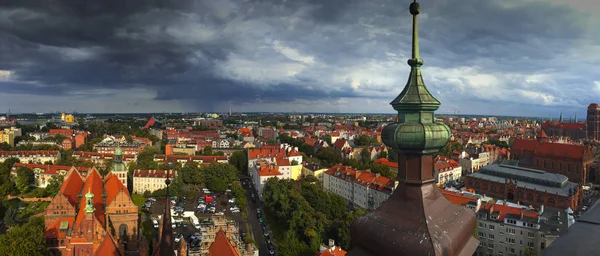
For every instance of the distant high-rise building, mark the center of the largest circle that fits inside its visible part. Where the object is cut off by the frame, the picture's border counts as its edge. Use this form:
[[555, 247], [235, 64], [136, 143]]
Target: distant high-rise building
[[593, 121]]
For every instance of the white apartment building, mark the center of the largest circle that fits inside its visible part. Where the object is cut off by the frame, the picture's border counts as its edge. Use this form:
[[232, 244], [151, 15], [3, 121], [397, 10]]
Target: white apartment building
[[446, 169], [263, 170], [474, 162], [33, 156], [363, 188], [150, 180]]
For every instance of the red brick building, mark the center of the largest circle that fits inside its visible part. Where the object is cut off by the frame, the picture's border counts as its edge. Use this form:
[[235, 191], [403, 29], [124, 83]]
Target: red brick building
[[526, 186], [573, 161], [91, 216]]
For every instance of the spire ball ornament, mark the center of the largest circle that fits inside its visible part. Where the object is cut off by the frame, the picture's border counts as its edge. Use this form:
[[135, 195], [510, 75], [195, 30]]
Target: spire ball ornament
[[415, 8]]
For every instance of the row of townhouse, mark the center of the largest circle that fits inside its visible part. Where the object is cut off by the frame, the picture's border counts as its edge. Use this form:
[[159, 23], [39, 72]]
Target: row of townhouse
[[100, 158], [32, 156], [150, 180], [161, 158], [363, 188]]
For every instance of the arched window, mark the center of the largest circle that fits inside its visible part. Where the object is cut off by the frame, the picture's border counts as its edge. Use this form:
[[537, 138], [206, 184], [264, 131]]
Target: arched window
[[530, 196], [519, 194], [551, 201]]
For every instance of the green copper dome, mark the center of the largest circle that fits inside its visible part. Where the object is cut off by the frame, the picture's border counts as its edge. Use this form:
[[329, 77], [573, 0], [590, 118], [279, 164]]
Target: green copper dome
[[416, 130]]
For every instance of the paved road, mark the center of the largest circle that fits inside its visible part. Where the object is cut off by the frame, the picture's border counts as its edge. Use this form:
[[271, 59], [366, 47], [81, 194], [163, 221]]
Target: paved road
[[254, 223]]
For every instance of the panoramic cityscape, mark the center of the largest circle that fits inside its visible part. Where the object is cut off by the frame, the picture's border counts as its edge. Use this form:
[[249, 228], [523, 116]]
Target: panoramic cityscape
[[302, 127]]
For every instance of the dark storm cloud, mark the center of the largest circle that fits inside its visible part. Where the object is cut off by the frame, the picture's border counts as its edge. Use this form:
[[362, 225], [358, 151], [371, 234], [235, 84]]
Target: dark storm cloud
[[279, 51]]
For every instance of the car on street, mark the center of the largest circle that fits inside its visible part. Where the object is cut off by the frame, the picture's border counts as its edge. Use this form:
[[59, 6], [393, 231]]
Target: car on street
[[178, 238]]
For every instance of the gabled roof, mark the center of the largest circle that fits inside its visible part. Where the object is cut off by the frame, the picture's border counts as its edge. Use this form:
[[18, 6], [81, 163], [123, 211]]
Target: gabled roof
[[72, 186], [334, 251], [93, 183], [457, 198], [107, 247], [113, 186], [221, 246]]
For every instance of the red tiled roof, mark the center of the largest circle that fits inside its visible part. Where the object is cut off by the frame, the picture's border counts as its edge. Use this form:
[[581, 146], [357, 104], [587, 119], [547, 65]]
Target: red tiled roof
[[93, 184], [386, 162], [335, 251], [107, 247], [72, 186], [573, 126], [507, 209], [283, 162], [339, 143], [458, 199], [150, 123], [561, 150], [221, 246], [268, 170], [53, 231], [113, 186], [524, 144]]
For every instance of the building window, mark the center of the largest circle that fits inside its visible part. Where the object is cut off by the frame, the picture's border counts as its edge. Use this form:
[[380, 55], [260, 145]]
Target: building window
[[530, 245], [550, 201], [491, 227], [530, 235], [491, 236], [540, 198], [530, 196]]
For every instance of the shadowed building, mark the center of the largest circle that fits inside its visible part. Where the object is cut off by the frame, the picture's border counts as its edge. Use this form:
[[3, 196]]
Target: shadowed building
[[417, 219]]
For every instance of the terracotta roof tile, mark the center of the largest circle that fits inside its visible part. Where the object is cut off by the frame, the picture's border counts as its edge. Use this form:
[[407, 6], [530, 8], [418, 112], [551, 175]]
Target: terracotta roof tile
[[113, 186], [221, 246], [53, 231], [71, 187], [107, 247], [93, 183], [334, 251]]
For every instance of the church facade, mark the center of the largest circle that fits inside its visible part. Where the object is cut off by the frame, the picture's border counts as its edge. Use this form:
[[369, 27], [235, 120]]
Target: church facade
[[92, 215]]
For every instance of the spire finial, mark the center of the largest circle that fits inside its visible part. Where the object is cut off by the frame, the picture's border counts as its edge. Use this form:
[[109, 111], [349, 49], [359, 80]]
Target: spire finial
[[415, 61]]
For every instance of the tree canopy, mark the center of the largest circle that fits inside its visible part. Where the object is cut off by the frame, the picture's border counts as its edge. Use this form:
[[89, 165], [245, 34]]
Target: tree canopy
[[309, 214], [27, 239]]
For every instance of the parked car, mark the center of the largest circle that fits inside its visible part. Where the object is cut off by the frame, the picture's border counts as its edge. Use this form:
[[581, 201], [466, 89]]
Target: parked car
[[178, 238]]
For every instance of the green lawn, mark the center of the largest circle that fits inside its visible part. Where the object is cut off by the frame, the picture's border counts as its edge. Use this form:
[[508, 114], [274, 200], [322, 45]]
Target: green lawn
[[138, 200]]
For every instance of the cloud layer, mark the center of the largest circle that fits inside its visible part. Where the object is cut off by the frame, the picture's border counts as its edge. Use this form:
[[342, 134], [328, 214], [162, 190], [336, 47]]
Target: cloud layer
[[503, 57]]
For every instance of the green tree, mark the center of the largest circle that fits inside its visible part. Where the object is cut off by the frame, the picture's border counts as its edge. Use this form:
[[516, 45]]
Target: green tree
[[24, 179], [11, 217], [530, 252], [328, 156], [54, 185], [145, 159], [365, 155], [207, 151], [240, 161], [216, 184], [27, 239]]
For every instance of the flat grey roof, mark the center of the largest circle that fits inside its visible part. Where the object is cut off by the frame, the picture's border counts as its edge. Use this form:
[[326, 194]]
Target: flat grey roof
[[526, 178], [525, 174]]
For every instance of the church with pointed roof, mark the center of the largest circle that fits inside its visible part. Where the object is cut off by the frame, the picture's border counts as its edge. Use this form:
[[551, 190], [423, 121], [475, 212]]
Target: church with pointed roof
[[91, 215]]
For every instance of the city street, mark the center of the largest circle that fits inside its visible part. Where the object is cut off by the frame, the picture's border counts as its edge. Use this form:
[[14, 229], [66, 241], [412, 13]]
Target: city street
[[254, 223]]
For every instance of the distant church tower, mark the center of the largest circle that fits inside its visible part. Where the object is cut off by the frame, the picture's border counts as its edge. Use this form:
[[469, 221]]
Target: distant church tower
[[593, 121], [118, 168]]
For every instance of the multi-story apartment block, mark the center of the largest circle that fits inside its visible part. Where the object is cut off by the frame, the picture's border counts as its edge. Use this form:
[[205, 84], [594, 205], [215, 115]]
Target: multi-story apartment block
[[127, 148], [474, 162], [510, 229], [34, 156], [8, 135], [262, 170], [363, 188], [100, 158], [316, 170], [161, 158], [150, 180], [446, 169]]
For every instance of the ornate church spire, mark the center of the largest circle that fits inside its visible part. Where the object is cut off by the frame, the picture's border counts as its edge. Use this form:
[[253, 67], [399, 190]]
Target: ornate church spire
[[165, 245], [560, 119], [417, 219]]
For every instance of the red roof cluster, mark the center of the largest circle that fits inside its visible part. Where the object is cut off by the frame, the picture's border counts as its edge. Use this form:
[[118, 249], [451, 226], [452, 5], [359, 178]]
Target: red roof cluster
[[50, 169], [502, 210], [365, 178], [29, 153], [550, 150]]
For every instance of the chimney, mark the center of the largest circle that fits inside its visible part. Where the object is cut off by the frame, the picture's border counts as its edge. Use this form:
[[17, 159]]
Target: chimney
[[522, 214], [331, 243], [504, 202], [491, 209]]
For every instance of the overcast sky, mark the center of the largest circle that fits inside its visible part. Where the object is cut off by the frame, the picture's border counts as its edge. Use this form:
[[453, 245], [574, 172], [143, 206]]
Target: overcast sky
[[497, 57]]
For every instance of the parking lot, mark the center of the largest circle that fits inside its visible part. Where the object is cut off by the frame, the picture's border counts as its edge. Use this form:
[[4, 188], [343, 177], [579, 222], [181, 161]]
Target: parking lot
[[221, 204]]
